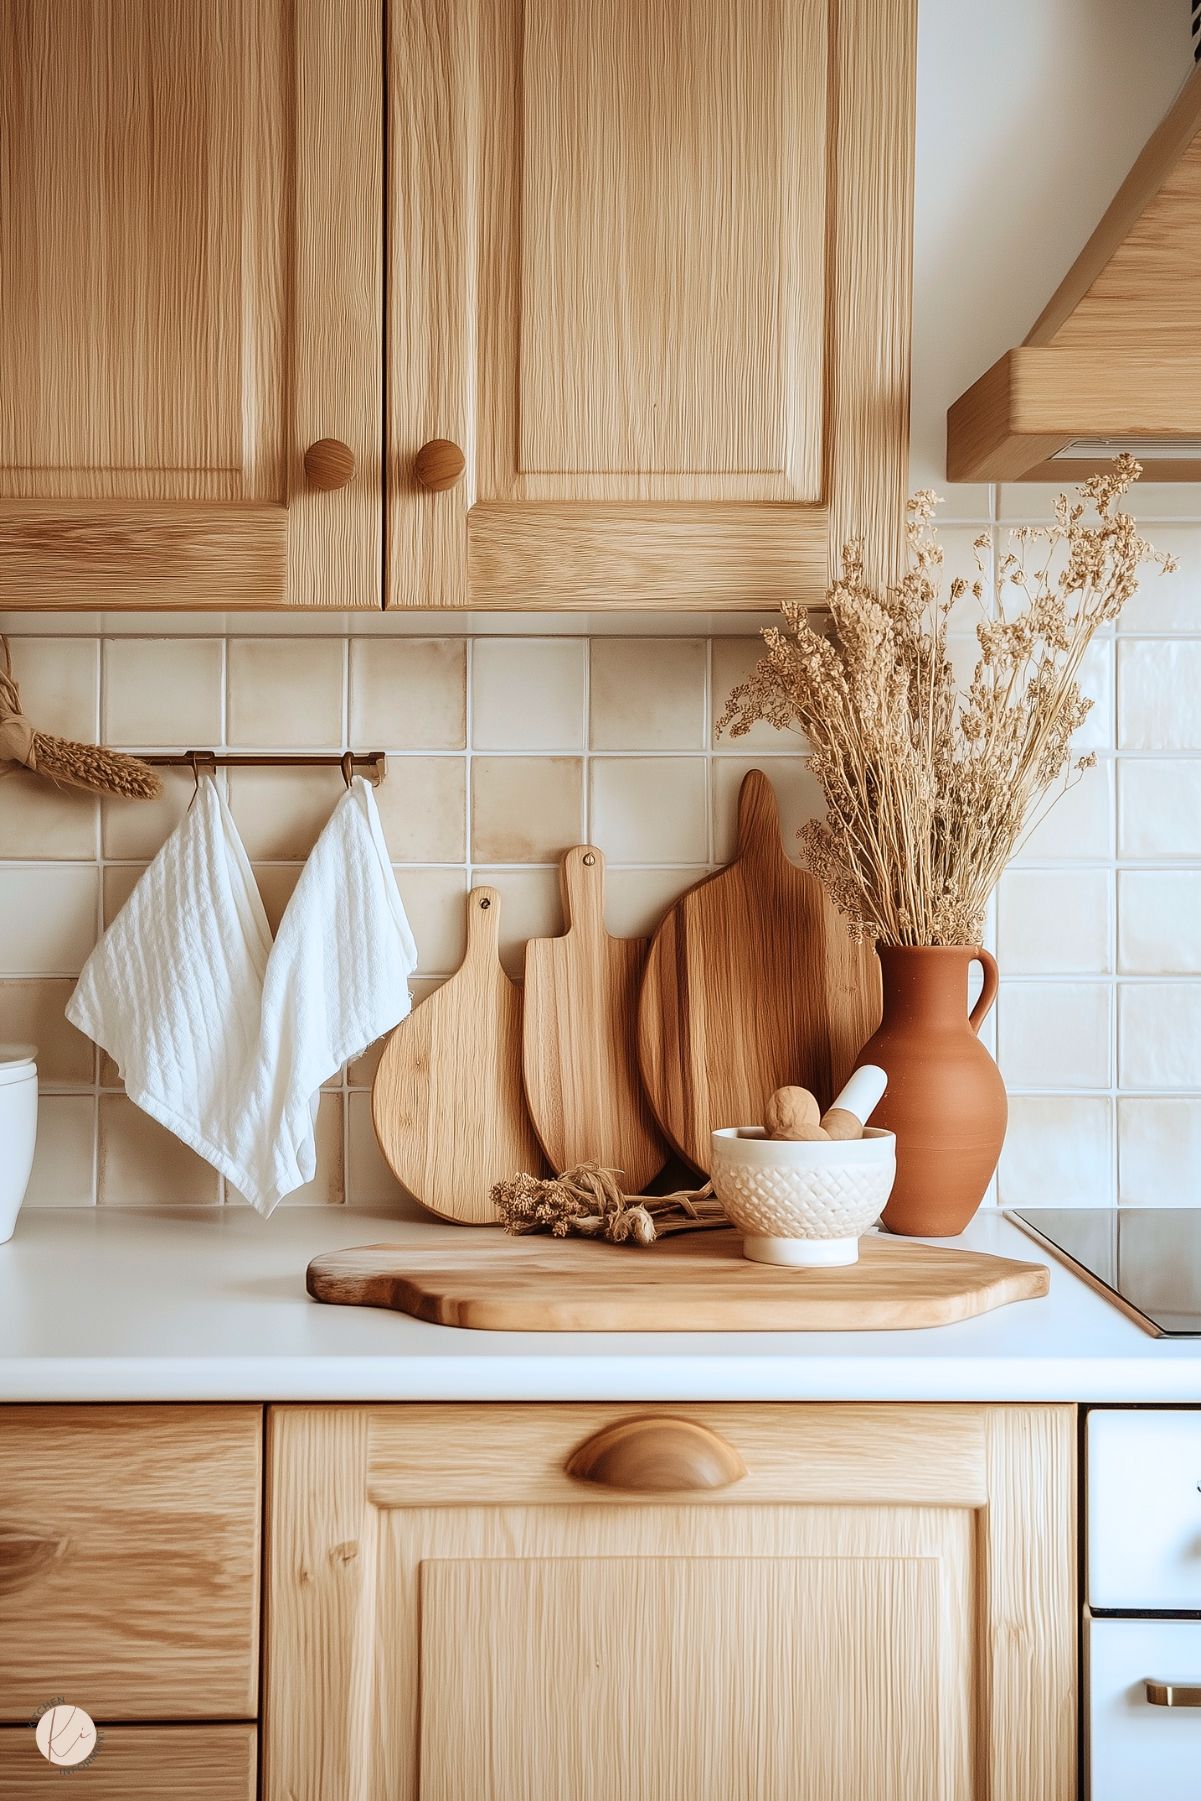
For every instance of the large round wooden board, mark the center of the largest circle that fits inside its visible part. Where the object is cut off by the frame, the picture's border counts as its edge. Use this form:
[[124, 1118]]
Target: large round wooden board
[[751, 984], [698, 1282]]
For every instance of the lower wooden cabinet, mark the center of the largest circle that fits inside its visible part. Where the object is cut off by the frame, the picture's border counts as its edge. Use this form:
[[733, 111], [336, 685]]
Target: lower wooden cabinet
[[151, 1763], [764, 1603], [129, 1561]]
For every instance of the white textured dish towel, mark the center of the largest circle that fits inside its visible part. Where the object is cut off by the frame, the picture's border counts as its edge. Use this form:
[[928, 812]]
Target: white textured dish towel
[[220, 1035]]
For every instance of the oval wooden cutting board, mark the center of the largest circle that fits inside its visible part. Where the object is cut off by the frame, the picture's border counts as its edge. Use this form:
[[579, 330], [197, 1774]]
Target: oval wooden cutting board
[[751, 984], [447, 1101], [695, 1283], [579, 1032]]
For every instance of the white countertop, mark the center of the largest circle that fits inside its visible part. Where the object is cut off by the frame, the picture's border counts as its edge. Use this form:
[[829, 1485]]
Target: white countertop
[[188, 1305]]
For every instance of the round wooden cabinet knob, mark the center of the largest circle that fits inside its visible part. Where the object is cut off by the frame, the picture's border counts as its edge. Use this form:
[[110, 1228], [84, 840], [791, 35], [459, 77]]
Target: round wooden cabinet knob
[[658, 1455], [329, 464], [439, 465]]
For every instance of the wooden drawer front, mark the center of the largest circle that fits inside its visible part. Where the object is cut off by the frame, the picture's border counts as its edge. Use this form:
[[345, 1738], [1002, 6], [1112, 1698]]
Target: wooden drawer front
[[129, 1561], [1133, 1747], [1144, 1510], [138, 1763]]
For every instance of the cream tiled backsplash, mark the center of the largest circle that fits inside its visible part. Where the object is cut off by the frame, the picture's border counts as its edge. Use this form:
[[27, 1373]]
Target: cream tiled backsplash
[[508, 746]]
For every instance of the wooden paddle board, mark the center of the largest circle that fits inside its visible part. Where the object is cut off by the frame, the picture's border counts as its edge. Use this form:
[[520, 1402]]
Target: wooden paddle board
[[751, 984], [696, 1283], [579, 1049], [447, 1102]]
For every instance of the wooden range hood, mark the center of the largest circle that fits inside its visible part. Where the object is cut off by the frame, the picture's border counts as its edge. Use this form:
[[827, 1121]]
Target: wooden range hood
[[1114, 361]]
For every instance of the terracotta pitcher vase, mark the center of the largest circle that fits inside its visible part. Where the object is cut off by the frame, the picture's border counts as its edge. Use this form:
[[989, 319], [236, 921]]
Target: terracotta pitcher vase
[[945, 1098]]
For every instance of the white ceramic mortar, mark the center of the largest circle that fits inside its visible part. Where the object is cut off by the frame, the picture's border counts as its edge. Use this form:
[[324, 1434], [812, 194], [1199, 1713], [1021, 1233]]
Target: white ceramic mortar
[[802, 1203]]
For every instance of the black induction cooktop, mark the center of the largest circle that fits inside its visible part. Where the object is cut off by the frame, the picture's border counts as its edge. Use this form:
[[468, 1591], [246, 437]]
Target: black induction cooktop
[[1147, 1259]]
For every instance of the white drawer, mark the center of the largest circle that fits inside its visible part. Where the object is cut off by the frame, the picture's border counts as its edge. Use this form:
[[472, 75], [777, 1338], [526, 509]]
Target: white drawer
[[1132, 1748], [1144, 1510]]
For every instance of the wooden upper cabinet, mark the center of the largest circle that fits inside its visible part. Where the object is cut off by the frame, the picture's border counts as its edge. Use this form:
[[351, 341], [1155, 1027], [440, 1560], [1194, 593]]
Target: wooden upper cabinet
[[190, 298], [649, 272]]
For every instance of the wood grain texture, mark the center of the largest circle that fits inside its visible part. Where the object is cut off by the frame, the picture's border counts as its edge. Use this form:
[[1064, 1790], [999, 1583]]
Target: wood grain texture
[[1034, 400], [147, 1606], [698, 1283], [579, 1036], [751, 985], [191, 279], [633, 252], [447, 1101], [140, 1763], [108, 554], [871, 267], [403, 1541], [1113, 353]]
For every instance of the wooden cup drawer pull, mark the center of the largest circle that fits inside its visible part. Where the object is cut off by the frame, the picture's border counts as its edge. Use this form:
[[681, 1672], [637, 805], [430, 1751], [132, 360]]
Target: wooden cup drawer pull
[[657, 1456], [1173, 1694], [24, 1554], [439, 465], [329, 464]]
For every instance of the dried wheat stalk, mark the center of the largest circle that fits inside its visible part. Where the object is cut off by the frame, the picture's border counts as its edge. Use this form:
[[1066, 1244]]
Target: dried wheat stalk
[[928, 791]]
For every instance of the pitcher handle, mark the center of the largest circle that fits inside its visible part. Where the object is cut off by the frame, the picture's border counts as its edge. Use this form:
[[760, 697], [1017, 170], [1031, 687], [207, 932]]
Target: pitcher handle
[[988, 993]]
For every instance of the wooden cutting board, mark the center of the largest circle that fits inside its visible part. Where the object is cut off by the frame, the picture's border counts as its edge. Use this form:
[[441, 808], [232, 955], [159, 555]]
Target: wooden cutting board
[[447, 1102], [579, 1036], [751, 984], [698, 1283]]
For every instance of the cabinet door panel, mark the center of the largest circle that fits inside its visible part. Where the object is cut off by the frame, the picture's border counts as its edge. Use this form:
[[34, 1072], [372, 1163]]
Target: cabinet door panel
[[190, 276], [882, 1606], [613, 231]]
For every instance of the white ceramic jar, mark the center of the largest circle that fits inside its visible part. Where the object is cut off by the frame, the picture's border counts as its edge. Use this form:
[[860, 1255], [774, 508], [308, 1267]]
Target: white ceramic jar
[[18, 1129]]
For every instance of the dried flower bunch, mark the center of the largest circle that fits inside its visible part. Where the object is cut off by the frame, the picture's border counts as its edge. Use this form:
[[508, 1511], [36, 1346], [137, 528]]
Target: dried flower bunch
[[588, 1202], [929, 791]]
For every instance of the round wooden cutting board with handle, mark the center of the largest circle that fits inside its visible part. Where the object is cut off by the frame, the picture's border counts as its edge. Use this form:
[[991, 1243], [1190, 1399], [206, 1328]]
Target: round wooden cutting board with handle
[[579, 1049], [751, 984], [447, 1102]]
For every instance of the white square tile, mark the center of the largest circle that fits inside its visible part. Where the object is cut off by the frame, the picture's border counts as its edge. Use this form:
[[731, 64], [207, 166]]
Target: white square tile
[[59, 680], [423, 809], [529, 908], [1159, 694], [1159, 922], [525, 809], [138, 829], [34, 1012], [141, 1164], [1080, 822], [1055, 1034], [637, 899], [164, 691], [1159, 1152], [1159, 1035], [650, 810], [49, 918], [40, 821], [527, 693], [1058, 1152], [64, 1159], [1096, 684], [408, 693], [285, 694], [435, 903], [1159, 807], [1054, 921], [648, 693], [1168, 603]]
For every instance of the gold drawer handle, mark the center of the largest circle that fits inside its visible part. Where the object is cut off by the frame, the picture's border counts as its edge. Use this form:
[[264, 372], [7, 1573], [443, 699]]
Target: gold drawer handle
[[657, 1455], [24, 1554], [1173, 1694]]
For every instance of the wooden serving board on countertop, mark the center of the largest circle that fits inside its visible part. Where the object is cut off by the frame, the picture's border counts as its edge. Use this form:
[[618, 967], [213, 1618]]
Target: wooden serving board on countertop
[[580, 1022], [691, 1283], [752, 984]]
